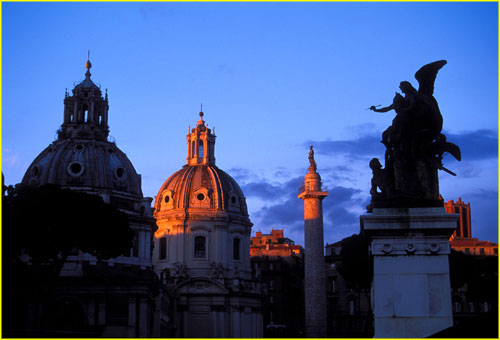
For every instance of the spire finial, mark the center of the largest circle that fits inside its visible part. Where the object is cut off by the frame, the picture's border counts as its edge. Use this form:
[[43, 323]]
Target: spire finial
[[88, 65]]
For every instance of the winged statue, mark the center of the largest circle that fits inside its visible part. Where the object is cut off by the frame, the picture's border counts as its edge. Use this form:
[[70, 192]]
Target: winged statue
[[414, 142]]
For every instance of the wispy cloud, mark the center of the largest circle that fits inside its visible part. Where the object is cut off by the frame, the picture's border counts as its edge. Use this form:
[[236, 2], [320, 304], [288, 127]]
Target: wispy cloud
[[476, 145], [339, 218], [364, 146], [9, 158]]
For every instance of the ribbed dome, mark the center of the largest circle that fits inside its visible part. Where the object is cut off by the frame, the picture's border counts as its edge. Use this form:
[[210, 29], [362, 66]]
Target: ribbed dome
[[85, 163], [201, 187]]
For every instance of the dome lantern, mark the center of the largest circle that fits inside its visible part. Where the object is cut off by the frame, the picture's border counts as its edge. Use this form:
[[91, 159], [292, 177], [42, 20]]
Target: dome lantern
[[201, 144], [85, 111]]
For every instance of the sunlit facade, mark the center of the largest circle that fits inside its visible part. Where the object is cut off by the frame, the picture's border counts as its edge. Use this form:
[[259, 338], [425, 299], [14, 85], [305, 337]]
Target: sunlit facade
[[202, 246]]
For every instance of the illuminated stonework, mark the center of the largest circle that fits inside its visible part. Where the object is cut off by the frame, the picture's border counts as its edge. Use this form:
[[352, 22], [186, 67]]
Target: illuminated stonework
[[314, 258], [202, 246]]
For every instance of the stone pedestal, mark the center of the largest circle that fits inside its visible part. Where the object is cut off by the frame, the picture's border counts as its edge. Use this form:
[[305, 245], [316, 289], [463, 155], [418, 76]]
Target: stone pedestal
[[411, 284]]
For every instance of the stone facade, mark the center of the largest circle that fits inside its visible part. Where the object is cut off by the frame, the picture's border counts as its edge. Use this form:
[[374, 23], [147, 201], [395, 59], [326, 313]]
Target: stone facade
[[411, 284], [202, 247], [274, 244], [279, 263]]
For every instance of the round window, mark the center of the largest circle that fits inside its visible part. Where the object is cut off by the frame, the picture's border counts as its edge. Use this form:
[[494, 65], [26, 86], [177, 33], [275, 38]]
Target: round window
[[233, 200], [120, 172], [35, 171], [167, 199], [79, 147], [200, 197], [75, 169]]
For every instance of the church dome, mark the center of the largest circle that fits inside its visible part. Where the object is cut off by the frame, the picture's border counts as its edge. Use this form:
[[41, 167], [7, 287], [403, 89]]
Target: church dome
[[85, 163], [82, 157], [200, 186], [203, 187]]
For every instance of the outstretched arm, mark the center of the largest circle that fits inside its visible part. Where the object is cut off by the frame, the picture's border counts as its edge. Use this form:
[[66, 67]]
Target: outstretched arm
[[384, 109]]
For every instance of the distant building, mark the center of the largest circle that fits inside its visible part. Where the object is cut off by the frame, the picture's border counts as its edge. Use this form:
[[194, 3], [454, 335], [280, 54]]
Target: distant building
[[273, 244], [462, 208], [473, 246], [278, 262], [462, 239]]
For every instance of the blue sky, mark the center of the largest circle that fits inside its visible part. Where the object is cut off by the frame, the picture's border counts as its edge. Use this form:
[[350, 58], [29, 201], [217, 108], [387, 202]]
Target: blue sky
[[273, 78]]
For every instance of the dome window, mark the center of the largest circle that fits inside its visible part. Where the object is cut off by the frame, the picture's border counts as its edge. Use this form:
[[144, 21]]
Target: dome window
[[35, 171], [200, 149], [76, 169], [233, 200], [200, 197], [79, 147], [120, 173], [167, 199]]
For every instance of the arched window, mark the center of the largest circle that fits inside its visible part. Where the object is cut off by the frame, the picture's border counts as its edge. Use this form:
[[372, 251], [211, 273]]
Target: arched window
[[163, 248], [200, 149], [200, 247], [192, 150], [85, 113], [236, 249], [351, 307]]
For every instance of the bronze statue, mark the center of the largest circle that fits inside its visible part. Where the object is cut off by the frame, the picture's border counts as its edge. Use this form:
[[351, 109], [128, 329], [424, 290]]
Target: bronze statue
[[414, 145], [312, 162]]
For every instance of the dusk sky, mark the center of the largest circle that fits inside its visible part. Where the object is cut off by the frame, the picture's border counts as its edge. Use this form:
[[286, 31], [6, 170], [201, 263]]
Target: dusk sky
[[273, 78]]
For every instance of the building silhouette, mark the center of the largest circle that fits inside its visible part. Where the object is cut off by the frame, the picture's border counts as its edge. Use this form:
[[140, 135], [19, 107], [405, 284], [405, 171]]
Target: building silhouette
[[109, 298]]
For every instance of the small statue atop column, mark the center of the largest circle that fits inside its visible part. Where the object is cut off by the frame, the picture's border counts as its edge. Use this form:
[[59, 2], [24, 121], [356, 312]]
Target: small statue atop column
[[312, 162]]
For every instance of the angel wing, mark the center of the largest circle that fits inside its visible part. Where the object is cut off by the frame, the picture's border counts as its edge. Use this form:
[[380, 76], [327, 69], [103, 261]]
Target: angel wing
[[427, 75]]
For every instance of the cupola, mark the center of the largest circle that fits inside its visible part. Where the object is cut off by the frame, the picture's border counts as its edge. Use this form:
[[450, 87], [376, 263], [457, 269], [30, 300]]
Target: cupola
[[201, 144], [85, 111]]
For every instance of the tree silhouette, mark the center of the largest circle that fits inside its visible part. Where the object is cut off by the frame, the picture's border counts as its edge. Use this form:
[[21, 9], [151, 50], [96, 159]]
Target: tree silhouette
[[49, 223]]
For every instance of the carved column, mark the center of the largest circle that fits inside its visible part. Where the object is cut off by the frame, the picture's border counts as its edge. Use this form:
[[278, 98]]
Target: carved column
[[314, 259]]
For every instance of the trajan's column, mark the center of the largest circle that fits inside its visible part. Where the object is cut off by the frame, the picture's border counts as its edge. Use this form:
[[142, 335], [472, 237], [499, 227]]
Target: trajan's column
[[315, 280]]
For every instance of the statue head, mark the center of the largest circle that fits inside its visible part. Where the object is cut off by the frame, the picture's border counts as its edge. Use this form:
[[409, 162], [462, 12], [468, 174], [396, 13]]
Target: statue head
[[375, 164], [407, 87]]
